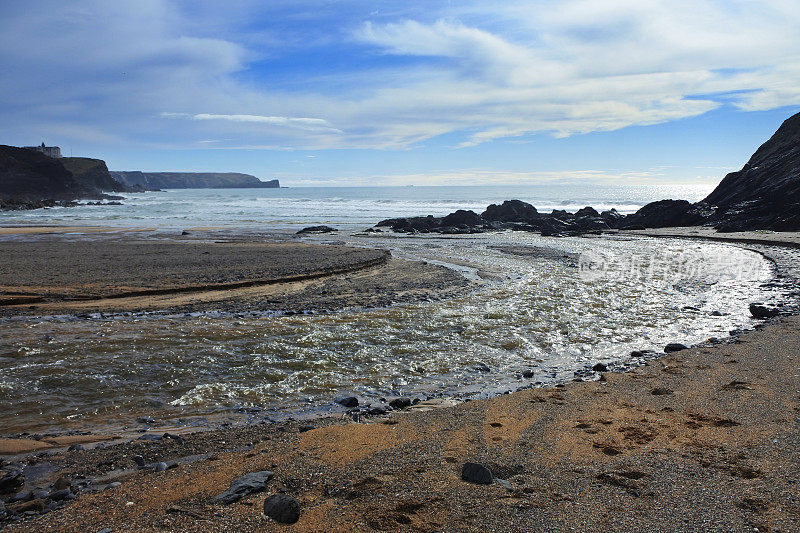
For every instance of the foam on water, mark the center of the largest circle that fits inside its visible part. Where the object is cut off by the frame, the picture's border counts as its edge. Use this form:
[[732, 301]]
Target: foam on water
[[534, 313]]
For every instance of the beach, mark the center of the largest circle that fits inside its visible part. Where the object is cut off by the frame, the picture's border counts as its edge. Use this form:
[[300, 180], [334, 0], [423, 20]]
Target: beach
[[703, 438]]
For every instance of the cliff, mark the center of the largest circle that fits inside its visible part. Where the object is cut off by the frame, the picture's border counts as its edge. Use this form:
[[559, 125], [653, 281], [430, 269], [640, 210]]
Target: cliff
[[765, 193], [28, 178], [192, 180], [94, 174]]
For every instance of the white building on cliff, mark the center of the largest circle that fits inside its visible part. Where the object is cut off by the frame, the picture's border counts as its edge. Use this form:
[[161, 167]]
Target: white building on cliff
[[51, 151]]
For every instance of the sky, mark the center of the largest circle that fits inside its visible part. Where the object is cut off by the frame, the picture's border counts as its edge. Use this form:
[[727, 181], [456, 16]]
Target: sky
[[353, 92]]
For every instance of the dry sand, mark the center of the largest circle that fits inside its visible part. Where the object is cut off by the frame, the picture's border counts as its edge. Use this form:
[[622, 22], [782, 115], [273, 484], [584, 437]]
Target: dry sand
[[706, 439]]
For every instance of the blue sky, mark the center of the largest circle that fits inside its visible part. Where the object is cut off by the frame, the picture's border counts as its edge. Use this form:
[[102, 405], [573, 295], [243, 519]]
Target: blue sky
[[424, 92]]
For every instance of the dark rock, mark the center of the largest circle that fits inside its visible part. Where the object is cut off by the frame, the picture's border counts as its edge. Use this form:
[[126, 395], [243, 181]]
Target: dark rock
[[462, 218], [139, 460], [60, 495], [760, 310], [150, 436], [62, 483], [282, 508], [317, 229], [662, 214], [527, 374], [76, 447], [587, 212], [674, 347], [174, 437], [146, 420], [510, 211], [476, 473], [11, 482], [554, 227], [482, 368], [765, 193], [400, 403], [347, 401], [600, 367], [612, 218], [244, 486], [36, 506]]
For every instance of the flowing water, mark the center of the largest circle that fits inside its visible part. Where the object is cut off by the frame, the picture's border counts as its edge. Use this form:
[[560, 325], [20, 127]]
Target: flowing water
[[533, 308]]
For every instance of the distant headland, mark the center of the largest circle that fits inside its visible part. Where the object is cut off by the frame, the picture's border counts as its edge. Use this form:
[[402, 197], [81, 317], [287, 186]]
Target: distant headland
[[33, 177]]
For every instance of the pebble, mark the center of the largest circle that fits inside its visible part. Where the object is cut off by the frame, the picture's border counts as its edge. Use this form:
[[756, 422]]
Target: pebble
[[527, 374], [600, 367], [76, 448], [139, 460], [282, 508], [476, 473], [243, 486], [661, 391], [160, 467]]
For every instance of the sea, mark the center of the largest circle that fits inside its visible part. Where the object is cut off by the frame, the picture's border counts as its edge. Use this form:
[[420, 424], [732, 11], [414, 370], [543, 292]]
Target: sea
[[342, 207], [537, 314]]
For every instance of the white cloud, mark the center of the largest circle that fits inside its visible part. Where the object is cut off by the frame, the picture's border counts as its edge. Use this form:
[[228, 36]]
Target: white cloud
[[480, 71], [310, 124]]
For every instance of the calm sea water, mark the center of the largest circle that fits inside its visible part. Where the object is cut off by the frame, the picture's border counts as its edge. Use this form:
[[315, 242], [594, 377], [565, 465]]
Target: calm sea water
[[344, 207]]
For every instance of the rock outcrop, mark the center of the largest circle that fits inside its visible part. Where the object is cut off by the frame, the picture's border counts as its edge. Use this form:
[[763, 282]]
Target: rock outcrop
[[765, 193], [31, 179], [192, 180]]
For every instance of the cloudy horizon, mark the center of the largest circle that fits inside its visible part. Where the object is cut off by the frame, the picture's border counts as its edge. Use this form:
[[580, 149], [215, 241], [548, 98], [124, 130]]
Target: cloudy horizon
[[355, 93]]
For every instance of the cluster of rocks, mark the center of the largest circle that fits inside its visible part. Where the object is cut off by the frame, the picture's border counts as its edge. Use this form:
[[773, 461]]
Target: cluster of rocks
[[20, 502], [522, 216], [764, 195], [355, 408]]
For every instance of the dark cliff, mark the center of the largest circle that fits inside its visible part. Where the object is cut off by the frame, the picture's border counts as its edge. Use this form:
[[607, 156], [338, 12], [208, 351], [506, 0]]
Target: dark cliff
[[765, 194], [27, 177], [192, 180], [93, 174]]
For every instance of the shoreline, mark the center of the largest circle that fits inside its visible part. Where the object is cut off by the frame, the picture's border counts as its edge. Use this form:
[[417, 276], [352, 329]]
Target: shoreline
[[339, 456]]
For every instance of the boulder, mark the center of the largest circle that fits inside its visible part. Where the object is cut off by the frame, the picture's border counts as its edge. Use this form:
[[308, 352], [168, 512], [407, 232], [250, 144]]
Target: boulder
[[759, 310], [661, 214], [347, 401], [587, 212], [282, 508], [462, 218], [510, 211], [675, 347]]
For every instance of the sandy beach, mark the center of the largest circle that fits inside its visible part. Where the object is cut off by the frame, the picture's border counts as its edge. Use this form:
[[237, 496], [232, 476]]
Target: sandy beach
[[702, 439]]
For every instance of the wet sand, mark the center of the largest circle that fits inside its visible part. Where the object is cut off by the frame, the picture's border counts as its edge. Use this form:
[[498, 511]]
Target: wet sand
[[705, 439], [112, 275]]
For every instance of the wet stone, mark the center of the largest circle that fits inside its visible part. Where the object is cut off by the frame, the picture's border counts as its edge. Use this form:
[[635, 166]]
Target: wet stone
[[347, 401], [11, 482], [675, 347], [400, 403]]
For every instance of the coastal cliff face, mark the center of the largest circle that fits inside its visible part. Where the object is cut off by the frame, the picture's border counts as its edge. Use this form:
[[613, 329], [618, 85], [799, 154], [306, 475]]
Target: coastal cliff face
[[28, 177], [94, 174], [765, 194], [192, 180]]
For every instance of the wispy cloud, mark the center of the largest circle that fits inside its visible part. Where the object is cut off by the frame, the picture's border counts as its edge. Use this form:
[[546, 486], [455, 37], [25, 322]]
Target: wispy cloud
[[310, 124]]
